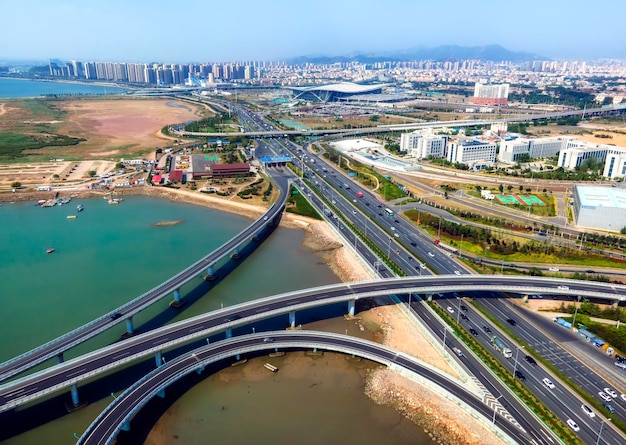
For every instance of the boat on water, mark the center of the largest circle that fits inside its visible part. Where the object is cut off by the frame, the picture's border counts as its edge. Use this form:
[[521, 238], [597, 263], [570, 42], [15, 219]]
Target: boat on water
[[49, 250], [80, 207], [71, 216]]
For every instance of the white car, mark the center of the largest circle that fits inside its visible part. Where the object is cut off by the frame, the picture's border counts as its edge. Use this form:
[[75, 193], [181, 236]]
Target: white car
[[588, 410], [623, 396], [546, 381], [393, 228], [396, 235], [449, 309], [553, 269], [563, 287], [430, 254], [354, 212], [604, 396], [620, 365], [610, 392], [456, 272], [423, 266], [573, 425]]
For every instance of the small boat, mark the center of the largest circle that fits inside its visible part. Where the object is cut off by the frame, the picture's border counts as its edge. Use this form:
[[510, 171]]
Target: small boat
[[49, 250], [80, 207], [71, 216]]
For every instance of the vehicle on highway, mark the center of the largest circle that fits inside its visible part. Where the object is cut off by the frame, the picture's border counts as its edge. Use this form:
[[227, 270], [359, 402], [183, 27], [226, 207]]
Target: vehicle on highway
[[520, 375], [623, 397], [393, 228], [233, 317], [511, 321], [530, 360], [268, 339], [115, 316], [422, 266], [609, 407], [354, 212], [473, 332], [458, 352], [463, 308], [561, 287], [430, 254], [604, 396], [553, 269], [610, 392], [487, 329], [501, 347], [396, 235], [620, 364], [573, 425], [464, 317], [546, 381], [589, 271], [449, 309], [587, 410], [456, 272], [413, 244]]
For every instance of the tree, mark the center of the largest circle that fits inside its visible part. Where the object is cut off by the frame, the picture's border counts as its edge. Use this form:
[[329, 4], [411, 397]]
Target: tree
[[509, 188], [501, 188], [16, 184], [55, 176], [91, 173], [521, 188]]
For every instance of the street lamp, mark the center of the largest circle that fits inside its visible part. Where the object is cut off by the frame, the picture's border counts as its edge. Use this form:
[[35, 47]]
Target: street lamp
[[388, 248], [502, 267], [461, 248], [576, 311], [495, 405], [600, 432], [515, 365], [439, 231]]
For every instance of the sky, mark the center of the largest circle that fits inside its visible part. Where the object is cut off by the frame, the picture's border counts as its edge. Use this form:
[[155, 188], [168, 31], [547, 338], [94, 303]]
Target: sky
[[226, 31]]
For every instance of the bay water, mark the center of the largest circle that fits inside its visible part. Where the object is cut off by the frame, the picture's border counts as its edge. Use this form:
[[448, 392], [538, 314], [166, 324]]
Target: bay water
[[13, 88], [110, 254]]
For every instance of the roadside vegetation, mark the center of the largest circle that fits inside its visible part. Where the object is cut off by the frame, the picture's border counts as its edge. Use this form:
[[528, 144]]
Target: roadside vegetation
[[221, 122], [297, 204]]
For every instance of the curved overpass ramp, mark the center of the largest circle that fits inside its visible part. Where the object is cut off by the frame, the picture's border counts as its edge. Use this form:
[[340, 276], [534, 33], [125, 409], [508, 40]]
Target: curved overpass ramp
[[119, 413], [50, 380], [61, 344]]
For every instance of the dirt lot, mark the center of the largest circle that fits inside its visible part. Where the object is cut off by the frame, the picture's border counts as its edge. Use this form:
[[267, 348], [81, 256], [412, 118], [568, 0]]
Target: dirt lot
[[111, 127]]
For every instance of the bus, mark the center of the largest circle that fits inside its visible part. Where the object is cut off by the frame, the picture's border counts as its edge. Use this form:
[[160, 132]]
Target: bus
[[389, 212]]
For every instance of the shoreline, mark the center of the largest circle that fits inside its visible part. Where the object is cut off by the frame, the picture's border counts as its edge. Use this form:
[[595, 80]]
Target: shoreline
[[443, 421]]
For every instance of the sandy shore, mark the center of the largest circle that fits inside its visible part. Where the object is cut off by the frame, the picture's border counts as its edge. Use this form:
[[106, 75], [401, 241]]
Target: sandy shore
[[444, 421]]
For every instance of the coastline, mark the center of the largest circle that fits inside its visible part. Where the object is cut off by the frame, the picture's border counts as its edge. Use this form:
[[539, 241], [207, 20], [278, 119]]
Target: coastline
[[445, 422]]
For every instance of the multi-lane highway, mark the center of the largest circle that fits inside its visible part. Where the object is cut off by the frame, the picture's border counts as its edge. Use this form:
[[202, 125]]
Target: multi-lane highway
[[61, 344]]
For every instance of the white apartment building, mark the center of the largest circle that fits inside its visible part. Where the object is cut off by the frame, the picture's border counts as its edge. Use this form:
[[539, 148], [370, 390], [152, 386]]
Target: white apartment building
[[536, 148], [421, 145], [475, 153]]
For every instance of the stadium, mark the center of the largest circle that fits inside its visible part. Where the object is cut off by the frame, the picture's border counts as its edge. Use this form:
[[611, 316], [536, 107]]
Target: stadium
[[334, 92]]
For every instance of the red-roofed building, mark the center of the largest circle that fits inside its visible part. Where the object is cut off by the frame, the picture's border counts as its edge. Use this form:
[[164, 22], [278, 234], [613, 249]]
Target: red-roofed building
[[157, 179], [176, 175], [223, 170]]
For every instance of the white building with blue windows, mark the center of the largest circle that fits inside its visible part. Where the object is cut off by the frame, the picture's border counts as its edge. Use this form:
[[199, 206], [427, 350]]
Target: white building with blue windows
[[600, 208]]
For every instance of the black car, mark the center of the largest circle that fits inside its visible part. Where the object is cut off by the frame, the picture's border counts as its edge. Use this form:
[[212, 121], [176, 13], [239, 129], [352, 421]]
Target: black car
[[486, 329], [413, 244], [530, 360], [464, 308], [464, 317], [520, 375], [473, 332], [115, 316], [511, 321], [233, 317], [590, 271]]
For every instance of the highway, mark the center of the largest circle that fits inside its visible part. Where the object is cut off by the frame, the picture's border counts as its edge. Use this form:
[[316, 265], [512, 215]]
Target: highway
[[49, 380], [104, 429], [61, 344]]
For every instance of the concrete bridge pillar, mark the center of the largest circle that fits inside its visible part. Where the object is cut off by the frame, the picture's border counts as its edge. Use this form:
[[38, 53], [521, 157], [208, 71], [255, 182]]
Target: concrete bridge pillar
[[235, 253], [210, 273], [292, 319], [429, 297], [60, 358], [126, 426], [130, 328], [229, 333], [74, 392], [158, 358], [177, 295], [161, 393], [616, 304], [199, 370], [351, 304], [177, 302]]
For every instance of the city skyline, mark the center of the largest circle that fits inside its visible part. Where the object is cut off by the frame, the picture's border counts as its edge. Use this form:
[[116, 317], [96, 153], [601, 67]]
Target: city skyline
[[278, 29]]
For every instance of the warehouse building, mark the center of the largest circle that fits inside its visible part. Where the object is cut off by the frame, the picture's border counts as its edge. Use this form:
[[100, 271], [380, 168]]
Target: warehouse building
[[600, 208]]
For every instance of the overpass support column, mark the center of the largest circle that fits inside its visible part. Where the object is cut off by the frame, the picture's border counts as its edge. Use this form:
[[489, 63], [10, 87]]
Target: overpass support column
[[158, 358], [177, 301], [229, 333], [60, 358], [292, 319], [235, 253], [199, 370], [429, 297], [161, 393], [130, 328], [74, 392], [125, 426], [351, 305], [210, 273]]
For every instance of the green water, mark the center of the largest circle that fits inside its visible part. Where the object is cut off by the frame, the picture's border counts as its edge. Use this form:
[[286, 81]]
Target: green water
[[112, 253]]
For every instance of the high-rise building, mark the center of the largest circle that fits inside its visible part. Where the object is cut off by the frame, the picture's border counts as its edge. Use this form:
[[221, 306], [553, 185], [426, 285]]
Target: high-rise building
[[423, 144], [477, 154], [491, 94]]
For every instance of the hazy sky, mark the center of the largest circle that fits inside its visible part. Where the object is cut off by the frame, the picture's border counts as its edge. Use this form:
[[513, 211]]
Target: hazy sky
[[214, 30]]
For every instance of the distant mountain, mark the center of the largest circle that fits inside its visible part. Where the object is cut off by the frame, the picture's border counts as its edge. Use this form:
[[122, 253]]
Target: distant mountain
[[493, 53]]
